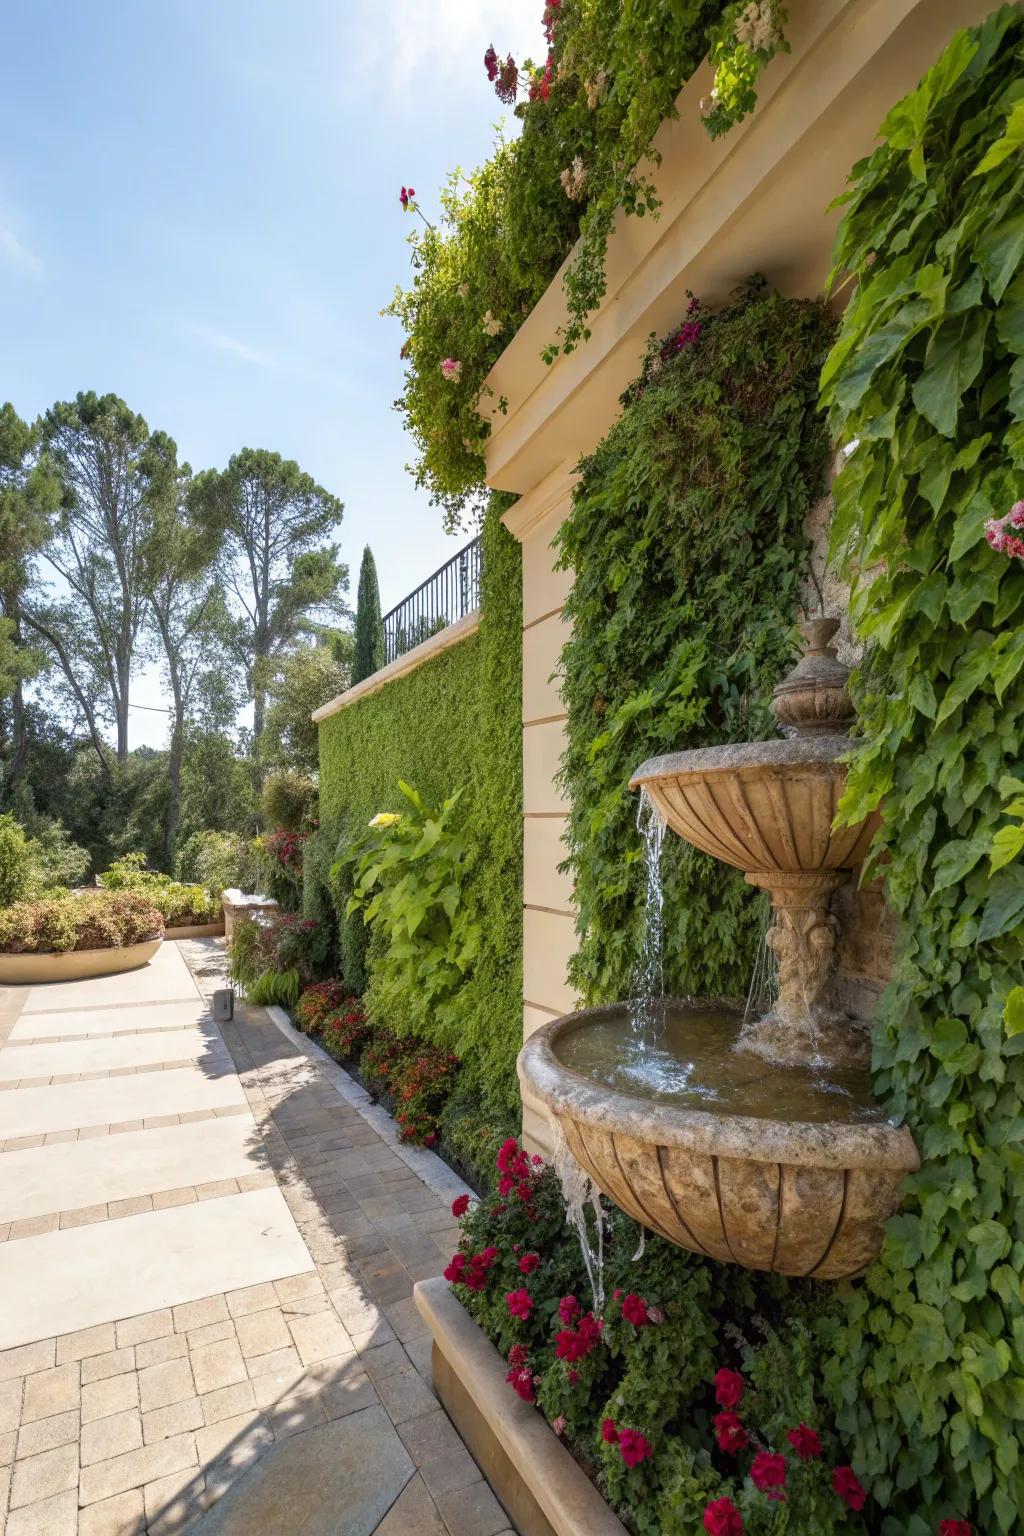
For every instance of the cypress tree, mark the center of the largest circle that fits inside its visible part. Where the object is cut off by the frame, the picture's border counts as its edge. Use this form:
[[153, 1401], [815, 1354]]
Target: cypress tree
[[369, 656]]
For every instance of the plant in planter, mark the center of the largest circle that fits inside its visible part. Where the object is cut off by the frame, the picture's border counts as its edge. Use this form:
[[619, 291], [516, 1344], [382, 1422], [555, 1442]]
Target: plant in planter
[[183, 906], [87, 920], [271, 961], [317, 1003], [347, 1030]]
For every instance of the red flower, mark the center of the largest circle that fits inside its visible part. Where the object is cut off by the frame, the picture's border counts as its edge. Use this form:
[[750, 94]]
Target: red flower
[[955, 1528], [518, 1354], [730, 1434], [634, 1446], [576, 1343], [609, 1434], [491, 63], [768, 1470], [806, 1442], [528, 1263], [847, 1486], [568, 1308], [520, 1379], [728, 1388], [634, 1311], [406, 196], [455, 1273], [722, 1518], [519, 1303], [506, 1152], [460, 1205]]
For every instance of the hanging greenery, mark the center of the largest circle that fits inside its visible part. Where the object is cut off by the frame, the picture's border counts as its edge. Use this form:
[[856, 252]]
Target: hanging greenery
[[687, 541], [927, 379]]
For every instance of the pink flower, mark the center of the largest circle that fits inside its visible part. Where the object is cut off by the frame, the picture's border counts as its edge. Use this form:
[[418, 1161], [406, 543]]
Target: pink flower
[[728, 1388], [558, 1425], [491, 63], [847, 1486], [521, 1381], [768, 1471], [609, 1434], [634, 1311], [528, 1263], [955, 1528], [729, 1433], [460, 1205], [519, 1303], [518, 1354], [1016, 521], [634, 1446], [806, 1442], [452, 370], [406, 196], [568, 1308], [722, 1518]]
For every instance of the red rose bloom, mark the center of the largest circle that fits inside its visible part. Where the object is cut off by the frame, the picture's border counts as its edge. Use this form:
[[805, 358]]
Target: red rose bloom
[[722, 1518], [728, 1389], [634, 1446], [847, 1486], [806, 1442], [460, 1205], [634, 1311], [519, 1303], [567, 1309], [955, 1528], [768, 1470], [730, 1434], [528, 1263], [609, 1434]]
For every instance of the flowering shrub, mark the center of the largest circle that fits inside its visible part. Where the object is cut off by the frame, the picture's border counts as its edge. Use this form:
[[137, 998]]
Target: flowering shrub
[[285, 849], [316, 1002], [422, 1084], [87, 920], [181, 905], [273, 960], [591, 105], [1006, 534], [346, 1030]]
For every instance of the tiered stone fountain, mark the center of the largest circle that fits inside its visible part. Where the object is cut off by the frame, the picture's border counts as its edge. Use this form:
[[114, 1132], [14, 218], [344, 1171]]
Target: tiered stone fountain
[[753, 1141]]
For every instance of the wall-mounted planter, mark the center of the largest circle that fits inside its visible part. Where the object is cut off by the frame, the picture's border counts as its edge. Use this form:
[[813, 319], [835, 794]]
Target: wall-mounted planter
[[197, 931], [543, 1490], [29, 970]]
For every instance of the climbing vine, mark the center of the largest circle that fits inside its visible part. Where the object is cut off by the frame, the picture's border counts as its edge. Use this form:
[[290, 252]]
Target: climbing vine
[[687, 541], [927, 381], [610, 78]]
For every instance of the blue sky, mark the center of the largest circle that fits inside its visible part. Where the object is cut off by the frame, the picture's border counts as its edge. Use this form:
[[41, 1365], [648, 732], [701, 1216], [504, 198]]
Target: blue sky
[[199, 211]]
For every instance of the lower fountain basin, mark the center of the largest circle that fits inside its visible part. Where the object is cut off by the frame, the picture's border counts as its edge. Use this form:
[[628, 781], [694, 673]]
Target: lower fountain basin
[[773, 1168]]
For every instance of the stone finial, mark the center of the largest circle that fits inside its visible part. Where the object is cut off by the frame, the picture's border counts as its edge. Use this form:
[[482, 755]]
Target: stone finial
[[814, 696]]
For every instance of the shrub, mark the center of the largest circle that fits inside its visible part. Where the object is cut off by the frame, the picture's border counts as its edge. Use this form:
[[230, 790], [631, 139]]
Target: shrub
[[217, 860], [57, 862], [422, 1083], [289, 800], [272, 961], [86, 920], [346, 1030], [316, 1002], [182, 905], [15, 861]]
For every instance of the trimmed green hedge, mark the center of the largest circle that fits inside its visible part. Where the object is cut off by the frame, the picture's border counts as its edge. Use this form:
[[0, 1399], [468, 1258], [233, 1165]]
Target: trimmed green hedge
[[454, 723]]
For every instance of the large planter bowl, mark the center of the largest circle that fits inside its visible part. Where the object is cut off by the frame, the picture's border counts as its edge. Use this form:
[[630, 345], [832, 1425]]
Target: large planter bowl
[[807, 1199], [196, 931], [74, 964]]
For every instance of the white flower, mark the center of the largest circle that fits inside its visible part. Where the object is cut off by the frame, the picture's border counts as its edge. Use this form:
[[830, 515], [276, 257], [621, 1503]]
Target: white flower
[[491, 326], [452, 369], [574, 179]]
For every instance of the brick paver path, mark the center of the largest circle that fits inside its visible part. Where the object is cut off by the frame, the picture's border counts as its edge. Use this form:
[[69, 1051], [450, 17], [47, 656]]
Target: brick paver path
[[208, 1244]]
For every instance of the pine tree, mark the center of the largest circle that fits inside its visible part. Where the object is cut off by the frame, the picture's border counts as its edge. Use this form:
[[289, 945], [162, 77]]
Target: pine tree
[[369, 656]]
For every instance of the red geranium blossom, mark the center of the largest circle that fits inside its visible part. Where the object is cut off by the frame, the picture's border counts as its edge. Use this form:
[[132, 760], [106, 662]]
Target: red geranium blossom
[[460, 1205], [729, 1433], [768, 1470], [722, 1518], [609, 1434], [806, 1442], [634, 1446], [847, 1486], [455, 1273], [575, 1343], [518, 1354], [634, 1310], [519, 1303], [568, 1308], [728, 1388], [520, 1379], [528, 1263], [955, 1528]]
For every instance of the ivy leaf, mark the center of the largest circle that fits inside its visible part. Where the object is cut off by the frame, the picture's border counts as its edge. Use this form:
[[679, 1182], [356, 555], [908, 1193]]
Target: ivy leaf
[[999, 252], [855, 380], [1013, 1014], [1005, 904], [968, 593], [951, 365], [991, 1242], [1011, 140], [969, 676], [957, 859], [1007, 845]]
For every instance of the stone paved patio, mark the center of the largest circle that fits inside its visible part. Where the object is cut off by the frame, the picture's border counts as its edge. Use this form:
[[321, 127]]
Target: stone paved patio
[[208, 1244]]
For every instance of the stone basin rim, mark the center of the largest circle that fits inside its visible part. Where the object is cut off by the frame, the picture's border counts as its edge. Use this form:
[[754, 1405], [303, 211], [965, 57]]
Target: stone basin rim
[[823, 749], [800, 1143]]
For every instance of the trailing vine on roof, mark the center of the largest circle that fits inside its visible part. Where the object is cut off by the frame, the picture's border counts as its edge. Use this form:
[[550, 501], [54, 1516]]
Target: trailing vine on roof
[[927, 378]]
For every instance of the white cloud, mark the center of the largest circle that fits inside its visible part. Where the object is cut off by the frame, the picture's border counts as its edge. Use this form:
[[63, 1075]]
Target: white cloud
[[223, 343], [425, 44], [17, 254]]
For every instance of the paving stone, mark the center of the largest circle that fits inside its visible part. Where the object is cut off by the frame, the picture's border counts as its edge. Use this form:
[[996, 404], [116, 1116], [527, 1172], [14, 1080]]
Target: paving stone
[[293, 1415], [238, 1440], [319, 1337], [112, 1436], [84, 1343], [252, 1298], [34, 1226], [228, 1402], [50, 1517], [28, 1358], [197, 1314], [450, 1472], [217, 1365], [8, 1444], [295, 1286], [46, 1434], [136, 1468], [134, 1206], [171, 1502], [341, 1398], [116, 1363], [111, 1395], [405, 1395], [151, 1325], [165, 1199], [259, 1333], [40, 1477], [175, 1419], [406, 1320], [429, 1436], [281, 1362], [84, 1216], [212, 1333], [10, 1403], [173, 1346], [163, 1384], [49, 1392], [472, 1511], [123, 1515], [413, 1513]]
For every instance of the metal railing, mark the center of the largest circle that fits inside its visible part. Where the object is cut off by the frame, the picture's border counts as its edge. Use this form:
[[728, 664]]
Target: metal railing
[[444, 598]]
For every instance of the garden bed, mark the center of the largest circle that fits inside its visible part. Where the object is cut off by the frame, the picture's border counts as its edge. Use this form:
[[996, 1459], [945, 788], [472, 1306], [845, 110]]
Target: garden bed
[[74, 964], [543, 1490]]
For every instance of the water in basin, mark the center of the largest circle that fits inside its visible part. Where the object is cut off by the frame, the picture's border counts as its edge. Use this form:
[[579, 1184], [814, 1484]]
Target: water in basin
[[685, 1057]]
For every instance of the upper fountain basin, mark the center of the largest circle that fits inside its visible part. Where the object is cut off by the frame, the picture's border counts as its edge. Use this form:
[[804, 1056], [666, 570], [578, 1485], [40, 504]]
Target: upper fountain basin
[[766, 807]]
